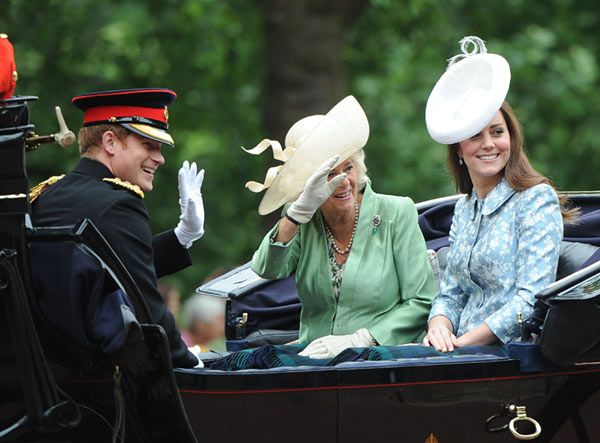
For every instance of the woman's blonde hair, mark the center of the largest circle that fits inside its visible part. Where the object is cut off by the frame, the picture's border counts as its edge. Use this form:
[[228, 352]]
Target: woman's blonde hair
[[358, 160]]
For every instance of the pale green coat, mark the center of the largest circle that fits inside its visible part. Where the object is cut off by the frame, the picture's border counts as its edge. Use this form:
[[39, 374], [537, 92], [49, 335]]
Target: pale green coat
[[387, 286]]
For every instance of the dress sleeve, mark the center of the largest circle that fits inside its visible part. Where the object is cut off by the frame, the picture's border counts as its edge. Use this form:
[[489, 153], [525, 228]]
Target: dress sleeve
[[539, 230], [274, 260], [451, 299], [416, 282]]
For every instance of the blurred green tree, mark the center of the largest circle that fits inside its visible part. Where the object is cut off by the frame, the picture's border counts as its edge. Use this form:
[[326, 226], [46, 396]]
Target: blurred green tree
[[248, 70]]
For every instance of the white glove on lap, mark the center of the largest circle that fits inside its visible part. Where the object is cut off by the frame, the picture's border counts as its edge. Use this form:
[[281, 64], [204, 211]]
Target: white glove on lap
[[191, 221], [316, 191], [331, 345], [196, 351]]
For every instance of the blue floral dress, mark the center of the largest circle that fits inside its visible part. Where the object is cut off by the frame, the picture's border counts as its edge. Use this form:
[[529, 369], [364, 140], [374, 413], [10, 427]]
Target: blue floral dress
[[503, 250]]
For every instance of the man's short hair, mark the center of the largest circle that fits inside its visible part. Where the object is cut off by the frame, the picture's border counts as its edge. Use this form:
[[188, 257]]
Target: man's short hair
[[90, 137]]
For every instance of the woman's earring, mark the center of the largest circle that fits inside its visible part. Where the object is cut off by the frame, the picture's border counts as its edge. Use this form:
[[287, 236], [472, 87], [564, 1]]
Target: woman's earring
[[460, 161]]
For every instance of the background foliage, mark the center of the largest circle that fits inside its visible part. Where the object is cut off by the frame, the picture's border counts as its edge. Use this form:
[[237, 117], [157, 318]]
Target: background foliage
[[212, 52]]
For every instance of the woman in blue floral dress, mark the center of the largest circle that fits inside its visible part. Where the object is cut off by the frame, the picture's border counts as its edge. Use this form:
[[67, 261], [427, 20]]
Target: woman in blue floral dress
[[504, 239], [506, 231]]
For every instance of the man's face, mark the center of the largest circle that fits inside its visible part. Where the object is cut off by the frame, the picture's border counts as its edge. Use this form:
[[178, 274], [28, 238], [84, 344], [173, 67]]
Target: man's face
[[136, 159]]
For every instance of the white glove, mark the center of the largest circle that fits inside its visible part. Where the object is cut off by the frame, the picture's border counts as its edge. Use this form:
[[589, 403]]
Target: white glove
[[196, 351], [191, 221], [331, 345], [316, 191]]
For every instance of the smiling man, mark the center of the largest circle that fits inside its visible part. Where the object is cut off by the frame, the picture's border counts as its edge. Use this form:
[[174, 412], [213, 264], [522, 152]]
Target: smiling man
[[120, 144]]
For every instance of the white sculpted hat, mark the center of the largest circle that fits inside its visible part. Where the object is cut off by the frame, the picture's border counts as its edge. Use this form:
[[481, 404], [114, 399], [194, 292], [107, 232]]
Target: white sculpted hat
[[468, 94], [343, 131]]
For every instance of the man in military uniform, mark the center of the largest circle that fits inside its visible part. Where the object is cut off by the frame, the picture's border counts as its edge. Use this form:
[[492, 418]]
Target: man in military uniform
[[120, 145]]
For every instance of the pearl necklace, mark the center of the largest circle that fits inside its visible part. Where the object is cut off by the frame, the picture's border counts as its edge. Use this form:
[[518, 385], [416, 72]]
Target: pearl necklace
[[336, 248]]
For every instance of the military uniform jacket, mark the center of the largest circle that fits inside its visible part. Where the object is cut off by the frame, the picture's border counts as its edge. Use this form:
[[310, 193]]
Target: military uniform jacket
[[121, 216]]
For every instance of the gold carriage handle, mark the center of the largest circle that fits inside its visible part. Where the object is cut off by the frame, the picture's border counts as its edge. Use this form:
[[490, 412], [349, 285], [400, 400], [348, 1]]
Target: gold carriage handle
[[496, 422], [521, 413]]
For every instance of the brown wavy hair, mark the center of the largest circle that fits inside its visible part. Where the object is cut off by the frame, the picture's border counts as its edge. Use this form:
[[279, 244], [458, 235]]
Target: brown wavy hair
[[518, 171], [90, 137]]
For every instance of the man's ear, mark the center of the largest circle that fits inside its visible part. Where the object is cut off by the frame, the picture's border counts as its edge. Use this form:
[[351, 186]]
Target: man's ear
[[108, 143]]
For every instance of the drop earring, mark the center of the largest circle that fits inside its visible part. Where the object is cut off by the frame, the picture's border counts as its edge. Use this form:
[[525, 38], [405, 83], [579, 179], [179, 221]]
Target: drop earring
[[460, 161]]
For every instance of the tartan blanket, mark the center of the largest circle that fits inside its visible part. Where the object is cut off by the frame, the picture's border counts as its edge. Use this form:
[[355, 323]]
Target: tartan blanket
[[270, 356]]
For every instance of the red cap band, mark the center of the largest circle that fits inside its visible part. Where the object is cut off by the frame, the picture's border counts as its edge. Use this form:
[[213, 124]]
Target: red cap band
[[104, 113]]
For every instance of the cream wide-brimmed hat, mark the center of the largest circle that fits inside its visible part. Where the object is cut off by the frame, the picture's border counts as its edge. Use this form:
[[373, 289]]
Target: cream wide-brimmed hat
[[343, 131], [468, 94]]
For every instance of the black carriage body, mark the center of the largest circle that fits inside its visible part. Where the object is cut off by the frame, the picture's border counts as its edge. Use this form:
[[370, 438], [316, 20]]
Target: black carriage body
[[452, 400], [386, 402]]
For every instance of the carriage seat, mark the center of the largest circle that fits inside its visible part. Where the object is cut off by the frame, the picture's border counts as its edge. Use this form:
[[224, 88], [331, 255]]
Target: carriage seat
[[92, 316], [82, 308]]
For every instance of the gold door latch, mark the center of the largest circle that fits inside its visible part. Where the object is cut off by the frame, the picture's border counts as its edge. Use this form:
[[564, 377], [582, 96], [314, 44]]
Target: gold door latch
[[518, 414]]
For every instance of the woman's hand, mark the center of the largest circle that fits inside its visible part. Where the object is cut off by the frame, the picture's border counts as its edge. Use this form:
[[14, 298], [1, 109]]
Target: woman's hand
[[440, 334], [480, 335], [331, 345]]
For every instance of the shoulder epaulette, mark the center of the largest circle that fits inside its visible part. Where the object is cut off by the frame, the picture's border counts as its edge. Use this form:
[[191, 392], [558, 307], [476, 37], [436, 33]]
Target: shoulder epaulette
[[125, 184], [37, 190]]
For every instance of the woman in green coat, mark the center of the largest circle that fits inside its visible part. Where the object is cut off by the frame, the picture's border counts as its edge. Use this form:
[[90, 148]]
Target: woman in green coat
[[360, 262]]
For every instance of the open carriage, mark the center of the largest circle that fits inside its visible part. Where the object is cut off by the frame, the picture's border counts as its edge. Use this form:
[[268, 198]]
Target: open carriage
[[55, 388], [412, 392]]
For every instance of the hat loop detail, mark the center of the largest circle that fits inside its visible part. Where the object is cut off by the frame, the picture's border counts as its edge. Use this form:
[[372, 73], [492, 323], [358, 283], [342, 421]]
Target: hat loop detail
[[478, 47], [280, 154], [468, 94]]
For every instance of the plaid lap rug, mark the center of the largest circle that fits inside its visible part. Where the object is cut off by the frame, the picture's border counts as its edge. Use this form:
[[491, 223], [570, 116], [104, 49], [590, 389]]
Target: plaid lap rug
[[269, 356]]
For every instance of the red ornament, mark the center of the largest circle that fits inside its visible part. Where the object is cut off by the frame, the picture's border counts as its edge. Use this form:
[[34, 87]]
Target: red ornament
[[8, 68]]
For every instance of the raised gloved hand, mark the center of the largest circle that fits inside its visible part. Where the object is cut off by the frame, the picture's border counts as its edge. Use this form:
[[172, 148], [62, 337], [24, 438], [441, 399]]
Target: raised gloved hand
[[191, 221], [331, 345], [316, 191]]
